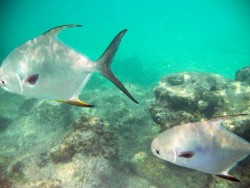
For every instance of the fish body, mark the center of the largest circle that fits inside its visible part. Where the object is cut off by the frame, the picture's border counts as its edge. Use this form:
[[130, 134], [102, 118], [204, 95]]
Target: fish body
[[203, 146], [44, 67]]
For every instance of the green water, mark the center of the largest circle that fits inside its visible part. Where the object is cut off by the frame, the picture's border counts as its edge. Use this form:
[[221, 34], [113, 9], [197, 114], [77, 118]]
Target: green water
[[164, 37]]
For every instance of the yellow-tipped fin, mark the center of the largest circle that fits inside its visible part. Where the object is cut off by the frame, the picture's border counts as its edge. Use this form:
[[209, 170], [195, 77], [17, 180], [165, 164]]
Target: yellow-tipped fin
[[76, 102]]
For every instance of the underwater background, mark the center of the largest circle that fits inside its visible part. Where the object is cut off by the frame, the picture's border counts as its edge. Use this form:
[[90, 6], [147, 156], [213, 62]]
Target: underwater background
[[48, 144]]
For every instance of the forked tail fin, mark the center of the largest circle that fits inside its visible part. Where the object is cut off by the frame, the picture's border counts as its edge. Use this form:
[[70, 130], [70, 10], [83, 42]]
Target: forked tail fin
[[104, 62]]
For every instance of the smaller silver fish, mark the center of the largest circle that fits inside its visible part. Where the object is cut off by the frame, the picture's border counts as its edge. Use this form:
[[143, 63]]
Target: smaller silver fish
[[204, 146]]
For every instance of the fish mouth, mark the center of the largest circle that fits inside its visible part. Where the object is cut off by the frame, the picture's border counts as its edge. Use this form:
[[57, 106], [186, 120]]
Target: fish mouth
[[20, 84]]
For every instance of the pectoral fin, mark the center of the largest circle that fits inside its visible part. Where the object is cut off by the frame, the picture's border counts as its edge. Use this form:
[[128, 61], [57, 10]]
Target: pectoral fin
[[185, 154], [76, 102], [227, 177]]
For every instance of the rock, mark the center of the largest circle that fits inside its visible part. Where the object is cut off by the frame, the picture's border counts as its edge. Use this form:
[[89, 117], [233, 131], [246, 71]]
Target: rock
[[165, 174], [81, 171], [45, 183], [90, 137], [39, 121], [98, 172], [39, 125], [200, 96], [4, 123], [175, 79], [239, 126], [192, 97], [16, 170], [59, 153], [5, 182], [243, 75], [44, 111], [10, 103]]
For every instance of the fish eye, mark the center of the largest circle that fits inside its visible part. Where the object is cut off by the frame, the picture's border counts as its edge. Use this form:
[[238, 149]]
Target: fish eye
[[3, 82], [157, 151]]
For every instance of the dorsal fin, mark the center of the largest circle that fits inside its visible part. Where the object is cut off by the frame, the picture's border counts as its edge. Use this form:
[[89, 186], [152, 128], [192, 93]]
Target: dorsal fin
[[54, 31]]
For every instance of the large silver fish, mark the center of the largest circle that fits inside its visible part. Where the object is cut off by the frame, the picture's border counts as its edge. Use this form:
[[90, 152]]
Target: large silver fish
[[203, 146], [46, 68]]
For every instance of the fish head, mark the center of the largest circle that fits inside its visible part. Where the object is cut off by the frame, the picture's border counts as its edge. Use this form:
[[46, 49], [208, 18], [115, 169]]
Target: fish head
[[10, 81], [163, 150]]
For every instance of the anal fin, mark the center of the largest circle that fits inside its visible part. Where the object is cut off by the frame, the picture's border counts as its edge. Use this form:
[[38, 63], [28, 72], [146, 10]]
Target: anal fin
[[228, 177], [76, 102]]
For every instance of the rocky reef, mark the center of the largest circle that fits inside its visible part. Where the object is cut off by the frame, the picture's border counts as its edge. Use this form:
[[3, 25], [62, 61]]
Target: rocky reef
[[189, 97], [91, 137], [53, 145], [86, 157], [243, 75], [34, 126], [51, 150]]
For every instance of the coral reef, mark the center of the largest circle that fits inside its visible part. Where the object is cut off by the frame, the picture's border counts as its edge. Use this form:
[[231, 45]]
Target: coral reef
[[44, 111], [164, 174], [37, 125], [4, 122], [5, 182], [81, 171], [38, 120], [62, 154], [243, 75], [90, 137], [190, 97], [47, 183], [53, 145], [10, 103]]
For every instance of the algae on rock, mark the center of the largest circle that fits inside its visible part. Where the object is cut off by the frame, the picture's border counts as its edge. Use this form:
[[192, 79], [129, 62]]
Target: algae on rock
[[90, 136], [198, 96]]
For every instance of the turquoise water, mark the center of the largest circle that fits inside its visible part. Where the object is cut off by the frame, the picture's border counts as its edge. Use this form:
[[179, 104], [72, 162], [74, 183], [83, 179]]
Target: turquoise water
[[164, 37]]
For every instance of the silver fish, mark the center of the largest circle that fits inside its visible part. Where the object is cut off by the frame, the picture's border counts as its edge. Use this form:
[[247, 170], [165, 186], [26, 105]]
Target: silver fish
[[46, 68], [204, 146]]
